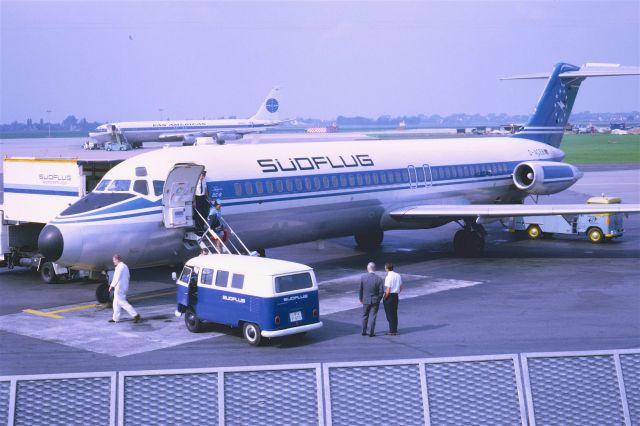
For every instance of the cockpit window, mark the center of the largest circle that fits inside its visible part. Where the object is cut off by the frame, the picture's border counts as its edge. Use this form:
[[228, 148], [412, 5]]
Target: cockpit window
[[141, 187], [104, 183], [119, 185], [94, 201], [158, 187]]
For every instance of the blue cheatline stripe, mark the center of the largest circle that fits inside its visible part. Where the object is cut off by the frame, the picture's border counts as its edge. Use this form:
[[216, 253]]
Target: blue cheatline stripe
[[41, 192], [366, 191], [137, 203], [108, 218]]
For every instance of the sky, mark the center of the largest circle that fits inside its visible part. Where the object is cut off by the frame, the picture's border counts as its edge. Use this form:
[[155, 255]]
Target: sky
[[139, 60]]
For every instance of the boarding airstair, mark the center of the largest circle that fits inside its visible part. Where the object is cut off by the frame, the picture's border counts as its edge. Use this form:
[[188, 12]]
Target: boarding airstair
[[214, 244]]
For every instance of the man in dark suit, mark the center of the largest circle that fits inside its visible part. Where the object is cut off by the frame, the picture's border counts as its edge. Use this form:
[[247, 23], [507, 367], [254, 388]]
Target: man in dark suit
[[371, 291]]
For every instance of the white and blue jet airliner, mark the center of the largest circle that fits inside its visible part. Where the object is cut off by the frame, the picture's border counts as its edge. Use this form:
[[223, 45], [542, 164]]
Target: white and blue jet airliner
[[280, 194], [192, 132]]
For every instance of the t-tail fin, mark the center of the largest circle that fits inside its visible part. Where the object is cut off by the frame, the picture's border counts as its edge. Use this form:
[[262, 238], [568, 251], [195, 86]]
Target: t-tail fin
[[270, 107], [554, 107]]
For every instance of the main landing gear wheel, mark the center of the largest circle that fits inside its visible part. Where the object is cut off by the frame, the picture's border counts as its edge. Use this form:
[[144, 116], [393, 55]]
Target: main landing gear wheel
[[252, 333], [102, 293], [469, 241], [192, 321], [370, 240], [48, 274], [595, 235], [534, 232]]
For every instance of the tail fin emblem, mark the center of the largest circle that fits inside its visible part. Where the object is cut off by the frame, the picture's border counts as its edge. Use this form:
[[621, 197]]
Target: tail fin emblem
[[272, 105]]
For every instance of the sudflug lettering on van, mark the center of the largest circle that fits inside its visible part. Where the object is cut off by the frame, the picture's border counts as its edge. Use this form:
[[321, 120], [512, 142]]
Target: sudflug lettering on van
[[295, 297], [234, 299]]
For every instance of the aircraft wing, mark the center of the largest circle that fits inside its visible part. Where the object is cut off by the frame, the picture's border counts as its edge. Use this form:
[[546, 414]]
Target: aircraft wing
[[455, 211]]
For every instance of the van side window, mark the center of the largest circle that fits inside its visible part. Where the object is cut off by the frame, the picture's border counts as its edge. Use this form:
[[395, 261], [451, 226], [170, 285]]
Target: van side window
[[237, 281], [206, 277], [141, 187], [293, 282], [186, 273], [221, 278]]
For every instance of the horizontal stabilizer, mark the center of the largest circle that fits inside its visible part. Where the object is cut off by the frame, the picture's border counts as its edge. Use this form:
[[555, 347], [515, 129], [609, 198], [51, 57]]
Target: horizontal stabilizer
[[586, 70], [506, 210]]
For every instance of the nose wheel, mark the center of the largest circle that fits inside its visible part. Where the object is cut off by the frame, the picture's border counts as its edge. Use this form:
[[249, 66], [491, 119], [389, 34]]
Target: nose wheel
[[470, 240]]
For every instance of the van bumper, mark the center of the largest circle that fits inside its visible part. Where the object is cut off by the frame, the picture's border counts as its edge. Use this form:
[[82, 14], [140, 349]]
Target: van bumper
[[292, 330]]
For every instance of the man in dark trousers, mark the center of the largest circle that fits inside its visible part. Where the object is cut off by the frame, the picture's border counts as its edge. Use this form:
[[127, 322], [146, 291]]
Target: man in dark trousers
[[371, 288], [392, 289], [201, 203]]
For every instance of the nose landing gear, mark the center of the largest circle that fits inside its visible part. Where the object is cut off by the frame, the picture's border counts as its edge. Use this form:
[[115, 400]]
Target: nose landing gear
[[469, 241]]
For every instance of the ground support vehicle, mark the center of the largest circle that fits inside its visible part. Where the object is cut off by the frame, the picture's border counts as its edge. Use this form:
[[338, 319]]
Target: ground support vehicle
[[596, 227], [35, 191], [266, 298]]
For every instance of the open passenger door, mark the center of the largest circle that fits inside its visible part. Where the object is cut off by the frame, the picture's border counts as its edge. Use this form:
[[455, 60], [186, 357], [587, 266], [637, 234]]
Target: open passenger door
[[178, 193]]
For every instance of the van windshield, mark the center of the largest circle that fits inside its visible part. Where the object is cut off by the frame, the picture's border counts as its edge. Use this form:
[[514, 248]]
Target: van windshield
[[293, 282]]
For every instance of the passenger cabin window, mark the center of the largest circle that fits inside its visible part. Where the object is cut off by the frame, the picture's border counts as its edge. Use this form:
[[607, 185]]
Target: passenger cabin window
[[186, 273], [293, 282], [103, 185], [237, 281], [221, 278], [141, 187], [206, 276], [119, 185], [158, 187]]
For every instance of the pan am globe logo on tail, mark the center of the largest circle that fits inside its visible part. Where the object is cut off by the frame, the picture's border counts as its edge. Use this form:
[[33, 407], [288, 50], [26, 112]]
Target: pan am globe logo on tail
[[272, 105]]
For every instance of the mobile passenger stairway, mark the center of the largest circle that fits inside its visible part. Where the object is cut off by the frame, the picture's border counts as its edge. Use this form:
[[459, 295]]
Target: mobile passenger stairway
[[214, 244]]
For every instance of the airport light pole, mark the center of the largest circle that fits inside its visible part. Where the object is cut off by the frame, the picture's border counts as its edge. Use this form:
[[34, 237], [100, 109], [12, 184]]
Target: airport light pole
[[49, 120], [161, 110]]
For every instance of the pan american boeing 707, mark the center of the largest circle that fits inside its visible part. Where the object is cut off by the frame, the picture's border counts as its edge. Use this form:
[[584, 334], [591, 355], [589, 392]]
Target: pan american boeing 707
[[192, 132]]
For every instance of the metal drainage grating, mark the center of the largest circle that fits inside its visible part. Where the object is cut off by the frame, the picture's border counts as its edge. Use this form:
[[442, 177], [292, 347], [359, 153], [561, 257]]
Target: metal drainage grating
[[171, 399], [475, 392], [377, 395], [5, 390], [74, 401], [271, 397], [630, 364], [575, 390]]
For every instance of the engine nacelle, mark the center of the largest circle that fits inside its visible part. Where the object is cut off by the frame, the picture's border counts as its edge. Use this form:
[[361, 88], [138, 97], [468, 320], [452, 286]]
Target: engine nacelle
[[188, 140], [545, 177], [222, 137]]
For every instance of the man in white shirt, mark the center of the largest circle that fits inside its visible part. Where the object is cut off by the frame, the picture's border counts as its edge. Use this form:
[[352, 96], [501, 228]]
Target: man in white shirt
[[392, 288], [120, 286]]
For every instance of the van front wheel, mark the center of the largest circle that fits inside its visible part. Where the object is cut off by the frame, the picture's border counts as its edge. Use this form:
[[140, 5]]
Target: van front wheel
[[192, 321], [252, 333]]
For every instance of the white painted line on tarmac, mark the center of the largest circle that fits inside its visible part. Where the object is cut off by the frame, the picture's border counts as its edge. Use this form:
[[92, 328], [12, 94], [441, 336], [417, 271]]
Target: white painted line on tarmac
[[332, 301]]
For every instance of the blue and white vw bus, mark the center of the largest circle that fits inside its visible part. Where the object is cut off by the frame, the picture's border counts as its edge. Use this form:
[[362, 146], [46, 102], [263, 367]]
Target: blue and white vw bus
[[265, 297]]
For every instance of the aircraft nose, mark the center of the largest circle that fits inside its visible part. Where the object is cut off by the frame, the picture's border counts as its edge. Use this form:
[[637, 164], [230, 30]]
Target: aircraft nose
[[50, 242]]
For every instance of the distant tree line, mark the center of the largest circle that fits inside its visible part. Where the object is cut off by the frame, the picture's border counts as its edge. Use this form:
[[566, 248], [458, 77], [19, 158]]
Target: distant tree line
[[69, 124]]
